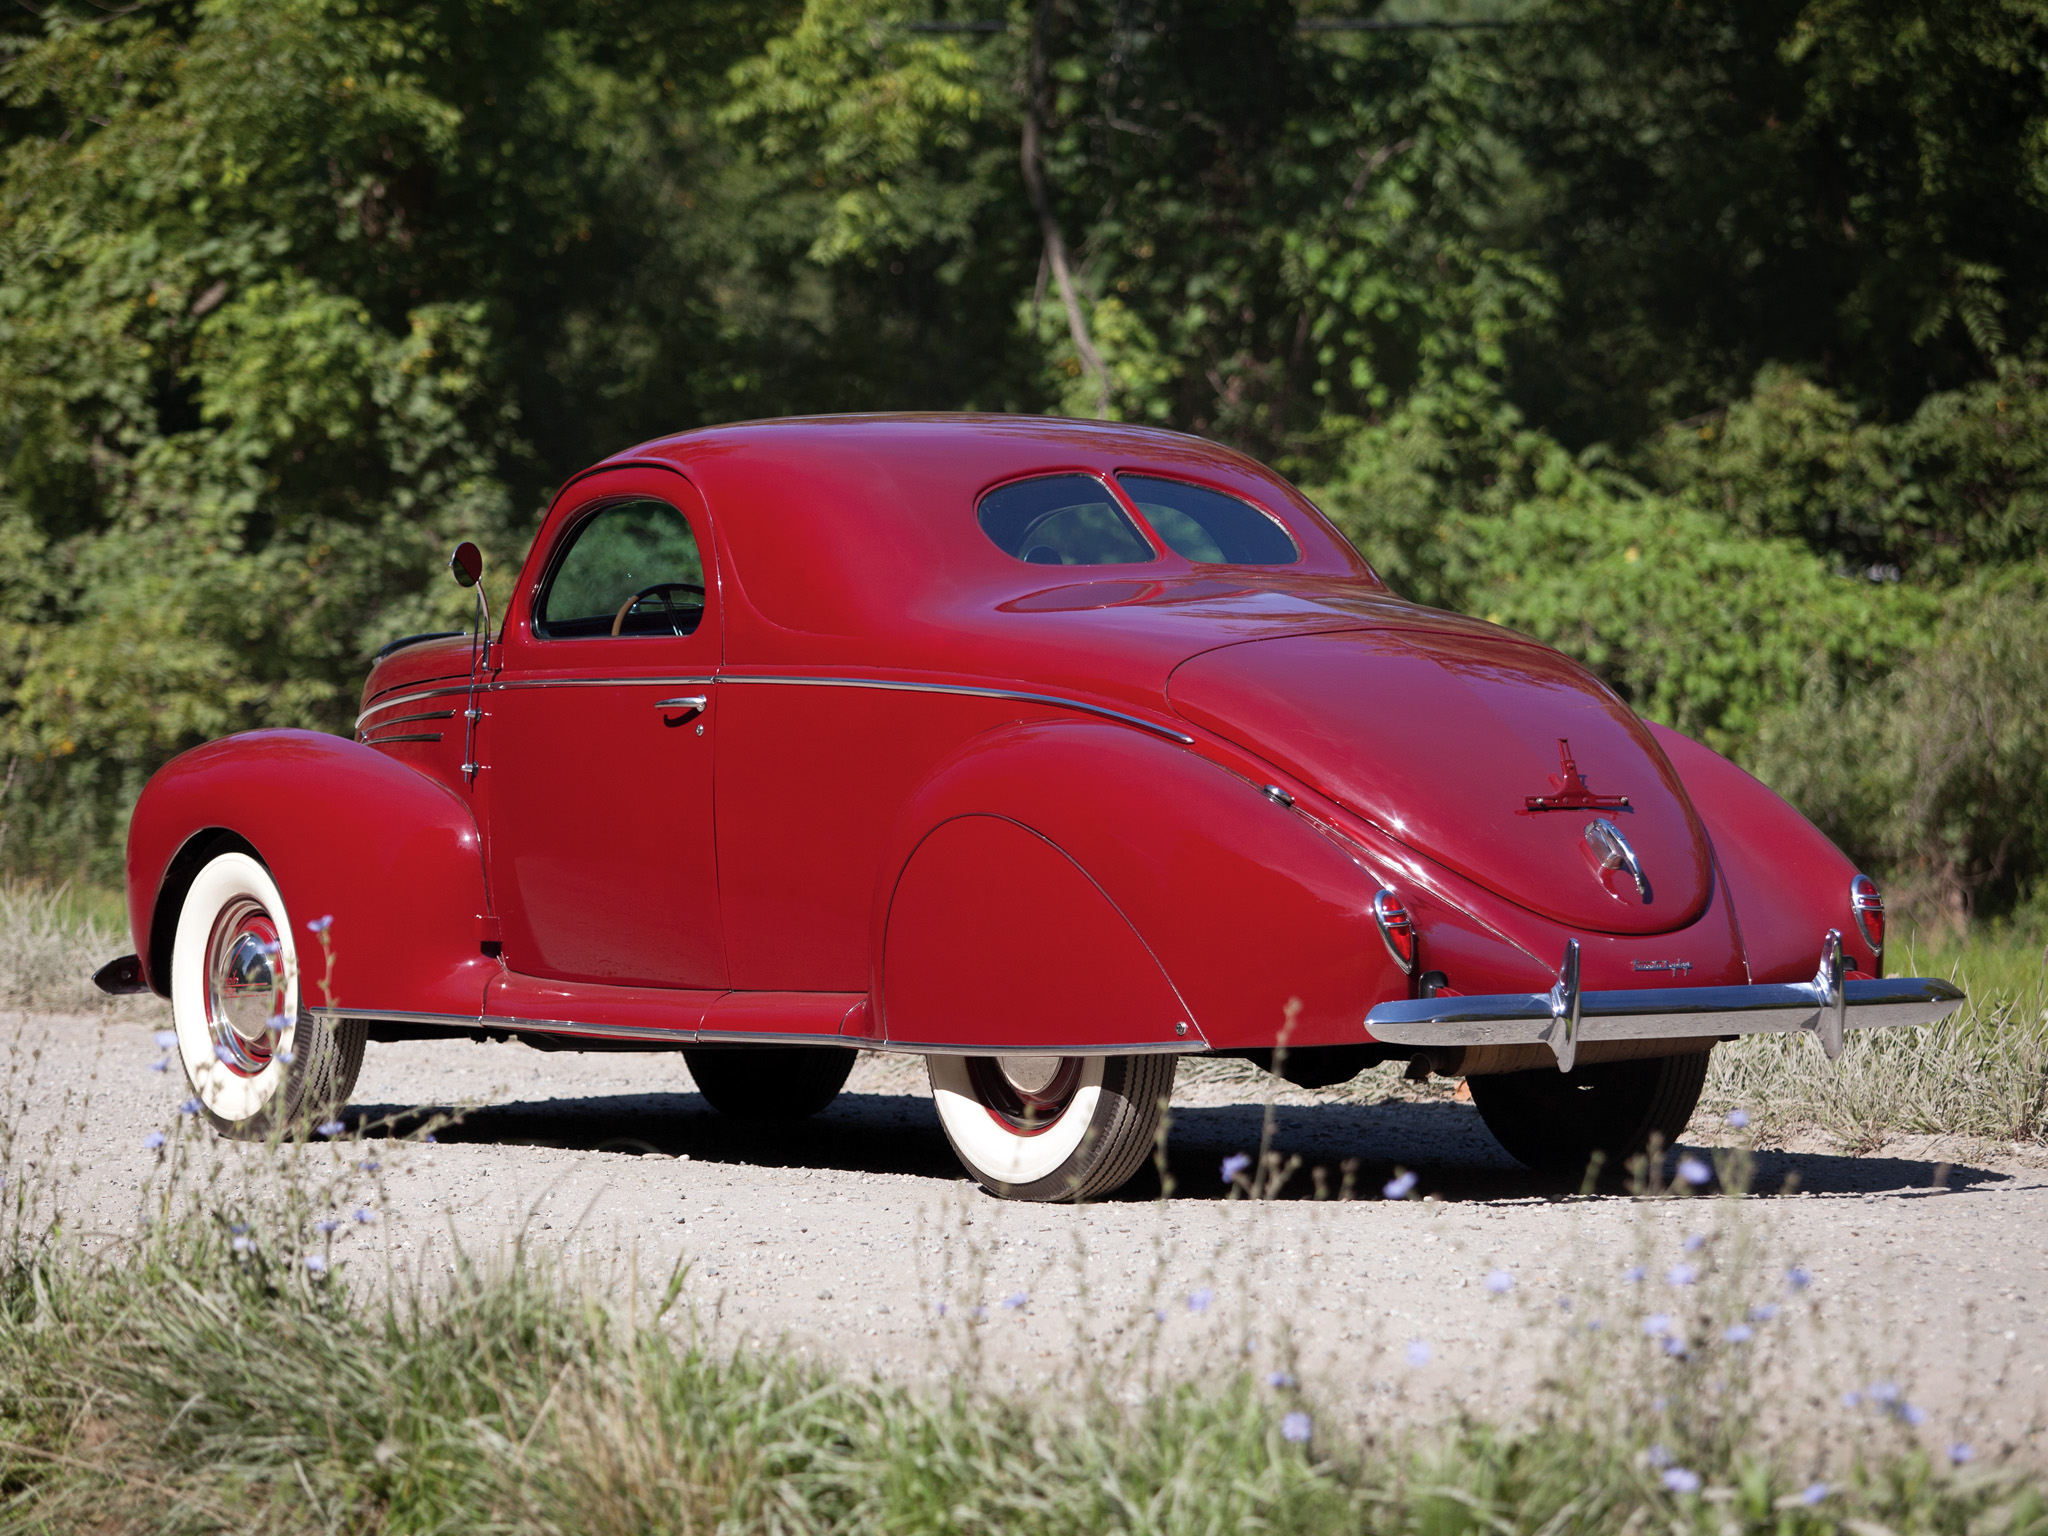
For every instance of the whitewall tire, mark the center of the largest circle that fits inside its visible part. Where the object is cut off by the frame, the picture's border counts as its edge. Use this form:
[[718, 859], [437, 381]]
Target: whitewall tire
[[255, 1062], [1052, 1127]]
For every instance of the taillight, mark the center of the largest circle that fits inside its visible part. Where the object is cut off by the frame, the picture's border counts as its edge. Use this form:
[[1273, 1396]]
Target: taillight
[[1868, 906], [1396, 928]]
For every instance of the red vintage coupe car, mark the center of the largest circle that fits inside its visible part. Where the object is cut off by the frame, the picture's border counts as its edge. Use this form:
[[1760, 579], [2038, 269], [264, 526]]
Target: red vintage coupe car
[[1049, 751]]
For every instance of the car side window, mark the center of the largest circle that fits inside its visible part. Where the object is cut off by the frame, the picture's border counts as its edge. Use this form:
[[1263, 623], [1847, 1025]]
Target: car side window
[[1062, 520], [1209, 527], [633, 568]]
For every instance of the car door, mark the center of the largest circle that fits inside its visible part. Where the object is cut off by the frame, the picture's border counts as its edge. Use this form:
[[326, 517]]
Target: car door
[[602, 861]]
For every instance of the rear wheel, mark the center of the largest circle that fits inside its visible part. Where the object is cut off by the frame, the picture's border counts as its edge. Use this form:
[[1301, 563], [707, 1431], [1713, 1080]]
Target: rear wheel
[[1052, 1127], [1558, 1120], [256, 1065], [770, 1082]]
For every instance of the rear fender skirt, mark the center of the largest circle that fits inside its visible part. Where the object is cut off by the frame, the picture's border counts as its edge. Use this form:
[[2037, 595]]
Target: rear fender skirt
[[348, 833], [1238, 904], [1786, 881]]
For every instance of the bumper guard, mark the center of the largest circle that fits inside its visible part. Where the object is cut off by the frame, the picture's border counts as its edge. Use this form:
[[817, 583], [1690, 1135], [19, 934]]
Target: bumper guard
[[1563, 1017]]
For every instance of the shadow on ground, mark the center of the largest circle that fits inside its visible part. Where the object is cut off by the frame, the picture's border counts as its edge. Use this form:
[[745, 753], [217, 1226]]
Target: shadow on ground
[[882, 1133]]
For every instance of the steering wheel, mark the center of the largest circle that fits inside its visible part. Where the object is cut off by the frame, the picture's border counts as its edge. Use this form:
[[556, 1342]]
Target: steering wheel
[[660, 589]]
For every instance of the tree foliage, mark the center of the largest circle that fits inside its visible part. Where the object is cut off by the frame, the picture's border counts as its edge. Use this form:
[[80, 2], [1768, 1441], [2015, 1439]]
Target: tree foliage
[[1706, 343]]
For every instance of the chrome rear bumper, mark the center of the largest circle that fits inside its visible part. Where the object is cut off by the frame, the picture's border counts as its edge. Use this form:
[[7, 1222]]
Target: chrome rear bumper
[[1564, 1017]]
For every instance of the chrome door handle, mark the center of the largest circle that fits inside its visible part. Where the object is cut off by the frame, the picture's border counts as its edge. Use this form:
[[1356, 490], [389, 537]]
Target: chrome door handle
[[692, 705]]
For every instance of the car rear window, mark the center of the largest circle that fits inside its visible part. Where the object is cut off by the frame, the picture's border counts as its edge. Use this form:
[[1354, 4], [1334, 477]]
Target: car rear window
[[1209, 527], [632, 569], [1062, 520]]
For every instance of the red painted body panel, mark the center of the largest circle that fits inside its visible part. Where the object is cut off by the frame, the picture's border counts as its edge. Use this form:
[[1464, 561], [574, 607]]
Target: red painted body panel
[[862, 844], [1441, 738], [809, 782], [1245, 905], [998, 939], [1789, 883], [346, 831]]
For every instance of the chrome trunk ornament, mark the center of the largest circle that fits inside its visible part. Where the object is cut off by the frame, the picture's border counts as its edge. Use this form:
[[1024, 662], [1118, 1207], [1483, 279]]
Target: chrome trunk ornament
[[1611, 851], [1564, 1009], [1832, 1021]]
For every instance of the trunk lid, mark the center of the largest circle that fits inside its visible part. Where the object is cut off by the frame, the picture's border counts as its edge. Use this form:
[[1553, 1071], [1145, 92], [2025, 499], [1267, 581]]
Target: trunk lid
[[1441, 738]]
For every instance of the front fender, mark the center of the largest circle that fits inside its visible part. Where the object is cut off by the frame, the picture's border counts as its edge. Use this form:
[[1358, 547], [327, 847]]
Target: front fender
[[346, 832], [1241, 902], [1787, 882]]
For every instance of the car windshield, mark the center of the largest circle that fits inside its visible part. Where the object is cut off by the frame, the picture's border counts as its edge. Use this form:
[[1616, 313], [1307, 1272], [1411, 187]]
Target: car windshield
[[1209, 527], [1062, 520], [633, 569]]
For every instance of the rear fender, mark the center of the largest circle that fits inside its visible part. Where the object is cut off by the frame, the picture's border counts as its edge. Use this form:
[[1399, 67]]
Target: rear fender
[[1787, 882], [1239, 903], [347, 833]]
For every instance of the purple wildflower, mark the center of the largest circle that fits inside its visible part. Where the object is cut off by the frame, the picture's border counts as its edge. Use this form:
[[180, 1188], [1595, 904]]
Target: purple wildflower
[[1738, 1333], [1960, 1452], [1695, 1242], [1015, 1300], [1198, 1301], [1679, 1480], [1400, 1186], [1680, 1274], [320, 924], [1419, 1352], [1280, 1379], [1813, 1493], [364, 1215], [325, 1226], [1738, 1118], [166, 1038], [1500, 1282], [1694, 1172], [189, 1107], [153, 1140], [1657, 1324], [1634, 1274], [330, 1127], [1235, 1165], [1297, 1427], [315, 1264], [1798, 1277]]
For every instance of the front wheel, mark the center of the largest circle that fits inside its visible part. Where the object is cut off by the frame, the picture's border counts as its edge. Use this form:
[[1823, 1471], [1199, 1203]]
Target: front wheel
[[1557, 1120], [1052, 1127], [255, 1063]]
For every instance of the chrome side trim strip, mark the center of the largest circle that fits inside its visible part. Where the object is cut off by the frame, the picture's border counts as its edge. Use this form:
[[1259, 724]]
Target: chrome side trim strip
[[742, 1037], [426, 714], [598, 1031], [968, 691], [1187, 1047], [1658, 1013], [597, 682], [409, 698], [378, 741], [747, 1037], [398, 1016]]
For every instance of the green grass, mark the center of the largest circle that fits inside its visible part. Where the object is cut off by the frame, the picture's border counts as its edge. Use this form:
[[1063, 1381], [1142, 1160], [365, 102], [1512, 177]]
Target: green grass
[[202, 1377], [1983, 1073]]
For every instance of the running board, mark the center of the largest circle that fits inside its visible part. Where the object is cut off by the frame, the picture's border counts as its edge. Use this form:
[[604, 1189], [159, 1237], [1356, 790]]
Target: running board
[[1564, 1017]]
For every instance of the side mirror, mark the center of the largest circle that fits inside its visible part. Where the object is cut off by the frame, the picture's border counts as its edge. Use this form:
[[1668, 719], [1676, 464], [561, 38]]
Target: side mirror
[[466, 565]]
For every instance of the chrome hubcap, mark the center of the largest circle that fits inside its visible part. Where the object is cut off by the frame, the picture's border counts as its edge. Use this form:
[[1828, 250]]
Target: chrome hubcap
[[1029, 1075], [244, 988], [1026, 1093]]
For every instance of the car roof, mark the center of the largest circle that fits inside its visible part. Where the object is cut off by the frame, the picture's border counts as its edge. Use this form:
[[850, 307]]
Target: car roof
[[865, 525]]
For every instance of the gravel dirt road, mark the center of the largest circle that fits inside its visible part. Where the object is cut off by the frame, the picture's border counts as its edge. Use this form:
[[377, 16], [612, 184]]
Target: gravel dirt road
[[845, 1235]]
